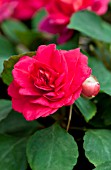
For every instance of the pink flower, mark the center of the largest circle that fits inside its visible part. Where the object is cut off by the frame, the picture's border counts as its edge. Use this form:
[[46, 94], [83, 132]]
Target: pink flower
[[47, 81], [99, 6], [90, 87], [20, 9], [48, 26], [60, 12], [7, 8], [27, 8]]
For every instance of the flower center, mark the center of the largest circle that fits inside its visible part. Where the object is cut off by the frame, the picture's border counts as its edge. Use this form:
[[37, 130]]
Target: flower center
[[44, 80], [43, 75]]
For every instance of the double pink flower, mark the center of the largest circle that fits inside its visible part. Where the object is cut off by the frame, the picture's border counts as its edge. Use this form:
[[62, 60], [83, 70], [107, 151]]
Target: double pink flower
[[47, 81]]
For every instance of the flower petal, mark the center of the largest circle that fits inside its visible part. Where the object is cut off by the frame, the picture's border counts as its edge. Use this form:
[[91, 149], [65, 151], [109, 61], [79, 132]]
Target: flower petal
[[44, 53], [34, 111], [24, 63], [13, 90], [51, 25], [78, 70]]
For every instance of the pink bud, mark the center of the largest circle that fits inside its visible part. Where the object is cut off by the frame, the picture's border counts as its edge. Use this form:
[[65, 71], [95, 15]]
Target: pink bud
[[90, 87]]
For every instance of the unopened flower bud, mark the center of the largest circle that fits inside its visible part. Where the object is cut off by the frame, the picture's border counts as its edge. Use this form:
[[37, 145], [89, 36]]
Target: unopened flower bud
[[90, 87]]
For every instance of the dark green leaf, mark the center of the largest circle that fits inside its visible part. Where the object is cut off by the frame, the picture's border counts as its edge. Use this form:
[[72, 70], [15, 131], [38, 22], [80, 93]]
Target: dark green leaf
[[97, 145], [91, 25], [52, 148], [15, 124], [5, 108], [102, 119], [104, 107], [102, 74], [12, 153], [87, 108], [9, 65]]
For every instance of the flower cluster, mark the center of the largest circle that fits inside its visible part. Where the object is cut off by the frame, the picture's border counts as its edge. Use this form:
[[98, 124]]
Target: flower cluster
[[60, 12]]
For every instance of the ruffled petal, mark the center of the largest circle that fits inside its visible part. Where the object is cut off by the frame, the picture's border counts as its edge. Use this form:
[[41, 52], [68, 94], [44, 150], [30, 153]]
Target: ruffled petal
[[82, 72], [34, 111], [13, 90], [78, 70], [30, 91], [24, 63], [44, 53]]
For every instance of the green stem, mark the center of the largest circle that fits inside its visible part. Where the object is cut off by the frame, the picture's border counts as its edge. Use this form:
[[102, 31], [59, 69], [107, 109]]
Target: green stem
[[69, 120]]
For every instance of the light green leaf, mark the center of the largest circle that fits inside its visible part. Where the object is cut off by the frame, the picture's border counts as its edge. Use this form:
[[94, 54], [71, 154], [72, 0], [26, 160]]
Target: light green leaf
[[102, 74], [6, 50], [9, 65], [52, 148], [91, 25], [10, 27], [31, 39], [97, 145], [104, 166], [28, 37], [5, 108], [37, 18], [12, 153], [87, 108]]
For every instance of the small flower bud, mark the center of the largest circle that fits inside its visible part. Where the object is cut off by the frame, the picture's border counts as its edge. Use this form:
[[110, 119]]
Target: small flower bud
[[90, 87]]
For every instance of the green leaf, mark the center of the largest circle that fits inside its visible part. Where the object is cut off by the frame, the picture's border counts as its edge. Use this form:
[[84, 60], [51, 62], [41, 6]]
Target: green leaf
[[31, 39], [104, 107], [5, 108], [102, 74], [52, 148], [97, 145], [28, 37], [11, 126], [91, 25], [10, 27], [87, 108], [12, 153], [9, 65], [102, 119], [6, 50], [104, 166], [37, 18]]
